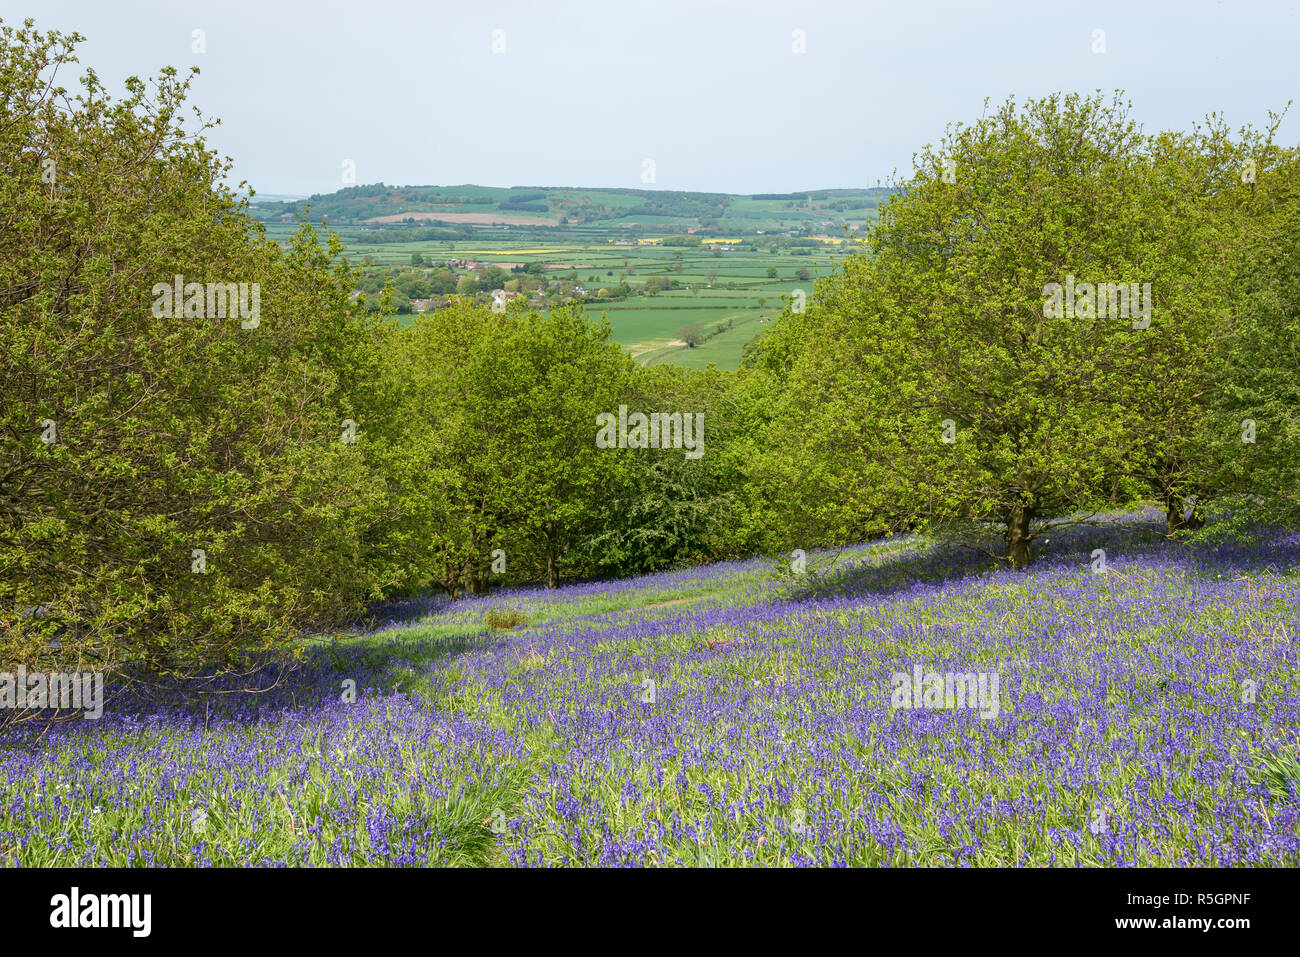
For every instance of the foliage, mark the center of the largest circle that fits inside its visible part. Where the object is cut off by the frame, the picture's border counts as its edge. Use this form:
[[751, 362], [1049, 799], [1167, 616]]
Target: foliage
[[930, 381], [174, 490]]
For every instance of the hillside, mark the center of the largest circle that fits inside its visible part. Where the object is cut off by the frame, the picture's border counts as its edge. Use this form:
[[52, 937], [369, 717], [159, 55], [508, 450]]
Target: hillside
[[719, 716], [624, 209]]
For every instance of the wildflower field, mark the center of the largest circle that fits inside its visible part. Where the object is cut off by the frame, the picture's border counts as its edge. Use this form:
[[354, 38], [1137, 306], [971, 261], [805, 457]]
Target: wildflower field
[[727, 716]]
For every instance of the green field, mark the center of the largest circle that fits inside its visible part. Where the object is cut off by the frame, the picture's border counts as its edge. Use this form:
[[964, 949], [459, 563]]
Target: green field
[[622, 209], [646, 325], [727, 292]]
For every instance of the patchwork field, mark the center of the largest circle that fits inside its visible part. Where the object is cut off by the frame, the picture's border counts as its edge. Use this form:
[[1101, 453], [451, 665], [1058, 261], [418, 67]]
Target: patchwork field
[[485, 219], [618, 209], [731, 288], [729, 715]]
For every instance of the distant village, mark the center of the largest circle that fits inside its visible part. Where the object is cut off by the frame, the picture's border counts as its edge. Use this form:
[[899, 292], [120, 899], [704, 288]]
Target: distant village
[[427, 284]]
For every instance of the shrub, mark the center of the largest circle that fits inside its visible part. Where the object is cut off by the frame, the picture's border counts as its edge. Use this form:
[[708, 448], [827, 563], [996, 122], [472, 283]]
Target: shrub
[[502, 619]]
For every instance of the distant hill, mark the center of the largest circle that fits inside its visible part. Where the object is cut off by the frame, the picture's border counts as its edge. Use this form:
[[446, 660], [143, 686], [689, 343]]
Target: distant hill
[[276, 197], [561, 206]]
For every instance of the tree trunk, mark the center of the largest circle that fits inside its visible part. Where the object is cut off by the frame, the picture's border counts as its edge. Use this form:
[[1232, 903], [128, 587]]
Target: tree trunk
[[1176, 517], [552, 573], [1018, 518]]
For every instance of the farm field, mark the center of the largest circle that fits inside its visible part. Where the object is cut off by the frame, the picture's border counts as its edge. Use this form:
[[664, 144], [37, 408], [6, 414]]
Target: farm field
[[731, 716], [728, 288], [620, 209]]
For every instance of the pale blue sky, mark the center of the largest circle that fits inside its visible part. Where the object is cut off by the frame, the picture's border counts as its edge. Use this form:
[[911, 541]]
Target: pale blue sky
[[712, 92]]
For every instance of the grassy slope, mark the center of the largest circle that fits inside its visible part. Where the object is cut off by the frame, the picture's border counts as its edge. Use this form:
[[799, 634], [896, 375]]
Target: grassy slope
[[771, 739]]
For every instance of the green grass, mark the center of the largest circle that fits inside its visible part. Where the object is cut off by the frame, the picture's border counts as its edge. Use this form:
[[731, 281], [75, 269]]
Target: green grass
[[645, 325], [768, 714]]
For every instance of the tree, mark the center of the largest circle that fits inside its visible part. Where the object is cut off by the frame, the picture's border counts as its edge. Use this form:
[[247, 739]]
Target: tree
[[413, 286], [1258, 410], [672, 509], [442, 282], [1191, 236], [937, 364], [437, 529], [771, 272], [692, 335], [176, 490], [529, 392]]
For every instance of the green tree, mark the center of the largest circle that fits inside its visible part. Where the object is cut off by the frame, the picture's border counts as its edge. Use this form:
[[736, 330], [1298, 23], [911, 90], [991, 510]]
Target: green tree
[[673, 509], [935, 364], [442, 282], [1192, 236], [176, 491], [499, 448], [1259, 406], [532, 390]]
